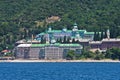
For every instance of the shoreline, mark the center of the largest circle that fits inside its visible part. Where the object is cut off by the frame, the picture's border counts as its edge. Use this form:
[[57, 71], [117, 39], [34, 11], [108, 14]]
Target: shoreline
[[21, 60]]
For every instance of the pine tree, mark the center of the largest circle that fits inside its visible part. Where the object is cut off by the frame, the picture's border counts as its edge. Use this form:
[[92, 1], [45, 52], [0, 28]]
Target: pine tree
[[105, 35], [102, 35], [73, 40], [65, 39], [95, 36], [60, 40], [68, 40]]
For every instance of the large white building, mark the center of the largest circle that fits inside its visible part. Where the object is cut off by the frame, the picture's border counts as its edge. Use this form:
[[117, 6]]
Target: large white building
[[45, 51], [75, 33]]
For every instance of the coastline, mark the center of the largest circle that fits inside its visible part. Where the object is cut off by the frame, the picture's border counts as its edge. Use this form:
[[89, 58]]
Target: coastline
[[21, 60]]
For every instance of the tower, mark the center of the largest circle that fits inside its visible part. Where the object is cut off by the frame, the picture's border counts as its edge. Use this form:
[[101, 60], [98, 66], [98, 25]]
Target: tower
[[53, 40], [75, 27], [64, 29], [49, 29], [77, 35], [108, 33], [47, 38]]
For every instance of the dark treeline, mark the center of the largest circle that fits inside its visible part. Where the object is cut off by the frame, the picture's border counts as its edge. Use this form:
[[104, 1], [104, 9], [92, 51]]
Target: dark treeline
[[18, 17]]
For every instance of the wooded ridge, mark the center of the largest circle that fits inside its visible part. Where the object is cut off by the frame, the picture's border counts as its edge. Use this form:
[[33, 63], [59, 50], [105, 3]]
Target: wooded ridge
[[18, 17]]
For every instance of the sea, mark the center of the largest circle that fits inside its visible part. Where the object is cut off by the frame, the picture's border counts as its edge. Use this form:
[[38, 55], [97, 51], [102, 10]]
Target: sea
[[60, 71]]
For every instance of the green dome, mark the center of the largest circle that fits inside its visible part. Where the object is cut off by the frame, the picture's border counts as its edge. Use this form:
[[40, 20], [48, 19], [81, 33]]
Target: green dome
[[75, 24]]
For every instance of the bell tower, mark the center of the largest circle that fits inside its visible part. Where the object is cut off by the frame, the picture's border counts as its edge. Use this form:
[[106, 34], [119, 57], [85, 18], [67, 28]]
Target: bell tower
[[108, 33], [75, 27]]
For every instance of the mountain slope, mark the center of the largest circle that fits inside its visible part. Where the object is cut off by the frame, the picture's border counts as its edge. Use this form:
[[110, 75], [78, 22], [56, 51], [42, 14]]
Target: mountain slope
[[18, 17]]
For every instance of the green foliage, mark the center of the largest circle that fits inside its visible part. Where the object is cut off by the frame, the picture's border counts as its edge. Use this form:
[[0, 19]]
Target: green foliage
[[113, 53], [118, 37], [10, 54], [86, 54], [68, 40], [70, 55], [43, 40], [102, 35], [18, 17], [99, 56], [65, 39], [73, 40]]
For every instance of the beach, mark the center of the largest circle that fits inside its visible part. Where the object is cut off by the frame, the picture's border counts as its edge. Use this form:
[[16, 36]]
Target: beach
[[22, 60]]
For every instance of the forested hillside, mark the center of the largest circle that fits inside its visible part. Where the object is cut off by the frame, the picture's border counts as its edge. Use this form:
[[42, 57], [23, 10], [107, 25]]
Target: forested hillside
[[18, 17]]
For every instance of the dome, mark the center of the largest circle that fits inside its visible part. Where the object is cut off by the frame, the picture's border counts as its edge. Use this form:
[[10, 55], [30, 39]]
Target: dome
[[75, 26], [53, 40], [64, 29], [49, 29], [77, 34]]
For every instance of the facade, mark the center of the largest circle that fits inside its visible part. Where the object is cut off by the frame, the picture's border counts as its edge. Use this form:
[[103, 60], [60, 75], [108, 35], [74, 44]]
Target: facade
[[109, 43], [33, 49], [59, 51], [102, 45], [45, 51], [74, 33]]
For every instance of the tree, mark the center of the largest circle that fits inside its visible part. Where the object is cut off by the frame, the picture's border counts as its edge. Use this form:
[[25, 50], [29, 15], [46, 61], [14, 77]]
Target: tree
[[108, 54], [113, 53], [105, 35], [65, 39], [99, 56], [95, 36], [73, 40], [70, 55], [98, 36], [15, 16], [43, 40], [102, 35], [68, 40], [60, 40]]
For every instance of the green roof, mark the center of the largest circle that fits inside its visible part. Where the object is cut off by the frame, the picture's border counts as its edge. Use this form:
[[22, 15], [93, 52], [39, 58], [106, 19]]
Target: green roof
[[56, 44], [38, 45], [69, 44], [55, 31], [41, 33], [89, 33], [69, 31], [75, 24], [52, 31], [81, 30]]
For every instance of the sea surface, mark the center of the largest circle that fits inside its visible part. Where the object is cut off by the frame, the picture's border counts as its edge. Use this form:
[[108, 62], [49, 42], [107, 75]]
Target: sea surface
[[60, 71]]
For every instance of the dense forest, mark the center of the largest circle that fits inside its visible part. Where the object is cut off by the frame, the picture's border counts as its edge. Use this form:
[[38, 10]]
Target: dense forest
[[18, 17]]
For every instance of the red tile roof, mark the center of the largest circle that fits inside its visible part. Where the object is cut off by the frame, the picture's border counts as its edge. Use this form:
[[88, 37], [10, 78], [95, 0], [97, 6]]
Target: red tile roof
[[4, 51]]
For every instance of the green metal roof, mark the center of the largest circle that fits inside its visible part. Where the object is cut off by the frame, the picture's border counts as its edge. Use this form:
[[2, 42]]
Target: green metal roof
[[56, 44], [55, 31], [59, 31], [41, 33], [38, 45], [75, 24], [81, 30], [89, 33], [69, 31], [52, 31], [69, 45], [42, 45]]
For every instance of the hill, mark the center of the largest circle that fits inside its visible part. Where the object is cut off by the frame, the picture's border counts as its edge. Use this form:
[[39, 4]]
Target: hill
[[18, 17]]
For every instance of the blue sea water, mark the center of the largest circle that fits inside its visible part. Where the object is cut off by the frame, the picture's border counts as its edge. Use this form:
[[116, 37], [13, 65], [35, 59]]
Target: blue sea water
[[60, 71]]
